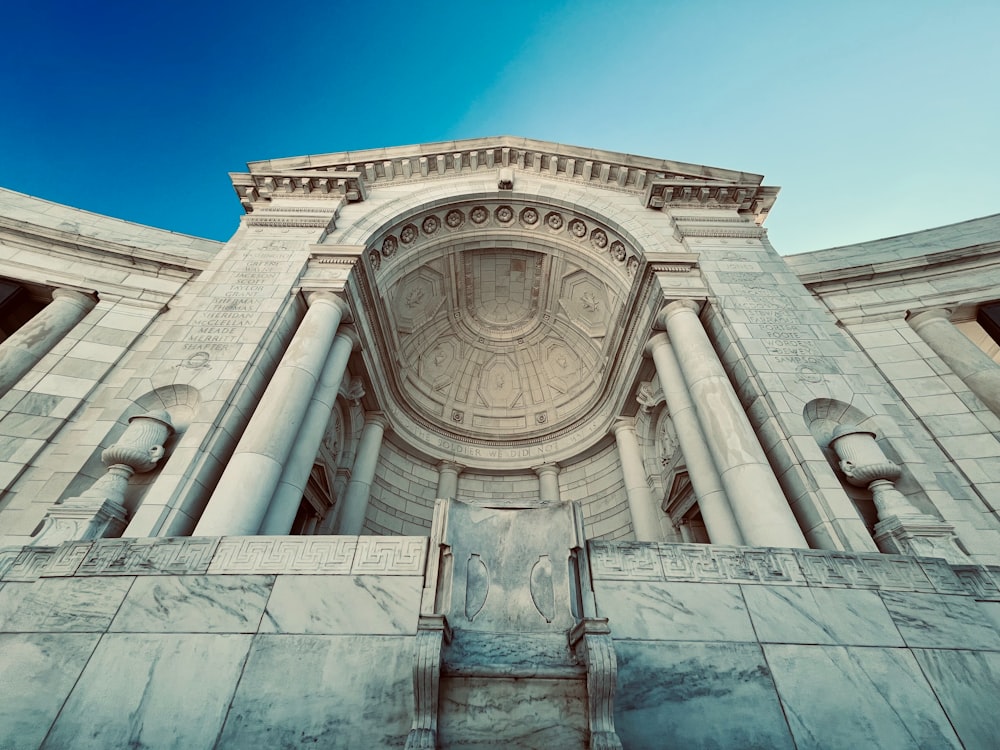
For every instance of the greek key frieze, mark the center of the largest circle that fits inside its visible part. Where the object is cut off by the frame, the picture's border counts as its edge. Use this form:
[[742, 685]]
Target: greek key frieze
[[331, 555], [388, 555], [155, 556]]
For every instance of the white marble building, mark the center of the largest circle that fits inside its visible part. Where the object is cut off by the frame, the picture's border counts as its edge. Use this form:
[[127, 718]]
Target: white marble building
[[496, 441]]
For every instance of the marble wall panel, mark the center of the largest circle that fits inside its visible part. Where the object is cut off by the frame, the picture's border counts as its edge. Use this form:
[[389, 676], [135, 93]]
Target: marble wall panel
[[194, 604], [839, 697], [697, 696], [152, 690], [540, 714], [674, 611], [968, 685], [82, 605], [37, 671], [796, 614], [343, 605], [941, 621], [333, 691]]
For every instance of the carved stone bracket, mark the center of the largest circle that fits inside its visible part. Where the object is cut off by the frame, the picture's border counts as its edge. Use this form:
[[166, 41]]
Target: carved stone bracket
[[433, 632], [591, 641]]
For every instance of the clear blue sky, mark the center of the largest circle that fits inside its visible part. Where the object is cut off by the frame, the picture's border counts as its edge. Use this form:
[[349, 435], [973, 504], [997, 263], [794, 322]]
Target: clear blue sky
[[876, 118]]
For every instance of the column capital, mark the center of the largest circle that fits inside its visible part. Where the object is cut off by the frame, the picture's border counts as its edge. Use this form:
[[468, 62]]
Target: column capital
[[623, 424], [447, 465], [655, 342], [930, 315], [379, 418], [329, 298], [350, 333], [675, 307], [78, 296], [547, 468]]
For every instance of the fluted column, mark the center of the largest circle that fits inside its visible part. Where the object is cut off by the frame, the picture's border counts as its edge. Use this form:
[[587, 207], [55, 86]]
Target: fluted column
[[712, 500], [448, 472], [760, 507], [980, 373], [28, 344], [352, 518], [242, 495], [548, 482], [288, 495], [645, 521]]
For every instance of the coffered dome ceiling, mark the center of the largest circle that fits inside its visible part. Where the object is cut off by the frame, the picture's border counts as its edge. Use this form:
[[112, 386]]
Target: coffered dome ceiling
[[499, 320]]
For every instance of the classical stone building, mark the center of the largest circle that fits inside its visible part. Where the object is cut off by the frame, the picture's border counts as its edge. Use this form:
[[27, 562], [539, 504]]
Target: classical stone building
[[496, 443]]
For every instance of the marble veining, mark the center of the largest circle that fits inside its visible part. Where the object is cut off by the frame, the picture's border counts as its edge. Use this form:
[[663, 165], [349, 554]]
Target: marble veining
[[968, 685], [375, 605], [674, 611], [513, 654], [152, 690], [697, 695], [322, 691], [542, 714], [37, 671], [61, 604], [838, 697], [194, 604], [941, 621], [795, 614]]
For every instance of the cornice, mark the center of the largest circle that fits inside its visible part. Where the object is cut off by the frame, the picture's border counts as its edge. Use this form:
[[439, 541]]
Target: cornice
[[106, 252], [655, 182]]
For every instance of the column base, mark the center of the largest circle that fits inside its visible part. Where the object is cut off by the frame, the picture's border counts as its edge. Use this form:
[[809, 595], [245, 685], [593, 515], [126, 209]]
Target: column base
[[81, 518], [920, 536]]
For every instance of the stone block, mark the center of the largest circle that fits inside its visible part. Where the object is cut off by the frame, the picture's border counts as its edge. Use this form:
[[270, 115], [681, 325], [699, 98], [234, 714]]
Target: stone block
[[334, 691], [81, 605], [940, 621], [795, 614], [343, 605], [153, 690], [194, 604], [39, 670], [967, 684], [674, 611], [697, 695], [839, 697]]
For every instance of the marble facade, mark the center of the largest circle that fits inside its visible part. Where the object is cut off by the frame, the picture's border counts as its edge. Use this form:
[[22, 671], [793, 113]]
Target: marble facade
[[496, 441]]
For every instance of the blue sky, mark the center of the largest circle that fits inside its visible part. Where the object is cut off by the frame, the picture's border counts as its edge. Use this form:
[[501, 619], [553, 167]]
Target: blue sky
[[876, 118]]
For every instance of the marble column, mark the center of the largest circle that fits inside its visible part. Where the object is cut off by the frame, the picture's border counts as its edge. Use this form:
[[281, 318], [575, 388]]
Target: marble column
[[288, 495], [645, 520], [548, 482], [241, 497], [712, 500], [355, 502], [760, 506], [448, 472], [28, 344], [980, 373]]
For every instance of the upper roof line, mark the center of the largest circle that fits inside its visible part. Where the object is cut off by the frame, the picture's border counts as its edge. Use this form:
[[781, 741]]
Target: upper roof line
[[374, 156]]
